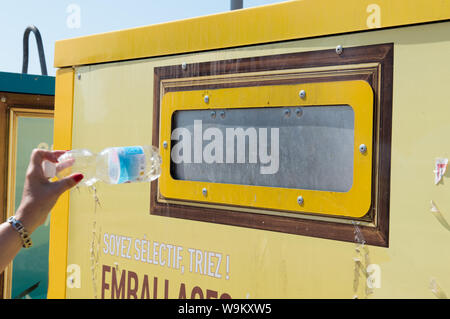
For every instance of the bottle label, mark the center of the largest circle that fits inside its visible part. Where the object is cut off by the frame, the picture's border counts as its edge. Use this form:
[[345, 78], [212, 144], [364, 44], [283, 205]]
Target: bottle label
[[132, 164]]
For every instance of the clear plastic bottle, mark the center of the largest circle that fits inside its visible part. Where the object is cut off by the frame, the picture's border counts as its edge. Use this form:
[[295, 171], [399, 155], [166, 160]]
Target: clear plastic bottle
[[113, 165]]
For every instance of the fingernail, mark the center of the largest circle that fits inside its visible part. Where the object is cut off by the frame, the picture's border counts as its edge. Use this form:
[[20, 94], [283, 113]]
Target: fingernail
[[78, 177]]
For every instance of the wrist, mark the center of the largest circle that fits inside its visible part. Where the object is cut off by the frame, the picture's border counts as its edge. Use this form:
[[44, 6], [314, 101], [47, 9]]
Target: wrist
[[27, 219], [24, 235]]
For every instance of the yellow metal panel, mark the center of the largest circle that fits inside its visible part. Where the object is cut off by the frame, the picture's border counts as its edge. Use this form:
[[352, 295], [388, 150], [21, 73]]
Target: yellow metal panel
[[110, 109], [59, 221], [285, 21], [354, 203], [266, 264]]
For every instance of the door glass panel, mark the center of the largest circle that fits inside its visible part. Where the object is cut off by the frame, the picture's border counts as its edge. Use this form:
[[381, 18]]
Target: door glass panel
[[30, 267]]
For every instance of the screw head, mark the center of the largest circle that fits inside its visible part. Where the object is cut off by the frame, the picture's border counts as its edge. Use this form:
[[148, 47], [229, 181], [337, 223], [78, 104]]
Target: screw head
[[363, 148], [165, 144], [339, 49], [299, 112], [287, 113], [3, 99], [79, 76], [206, 98], [302, 94], [205, 192], [300, 200], [184, 66], [222, 114], [213, 114]]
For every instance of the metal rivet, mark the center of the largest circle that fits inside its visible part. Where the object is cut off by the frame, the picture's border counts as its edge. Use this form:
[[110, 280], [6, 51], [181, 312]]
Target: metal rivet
[[299, 112], [339, 49], [213, 114], [204, 192], [222, 114], [79, 76], [3, 99], [206, 98], [300, 200], [302, 94], [165, 144], [363, 148], [287, 113], [184, 66]]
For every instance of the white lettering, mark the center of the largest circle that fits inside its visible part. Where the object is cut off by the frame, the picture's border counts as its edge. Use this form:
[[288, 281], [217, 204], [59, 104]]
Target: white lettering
[[216, 146], [74, 19], [274, 158], [235, 146], [374, 19], [181, 152]]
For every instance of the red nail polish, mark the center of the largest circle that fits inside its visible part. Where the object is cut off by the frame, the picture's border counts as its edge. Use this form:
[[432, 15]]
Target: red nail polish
[[78, 177]]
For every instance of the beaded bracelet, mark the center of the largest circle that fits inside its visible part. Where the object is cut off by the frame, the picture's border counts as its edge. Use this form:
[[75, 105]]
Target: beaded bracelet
[[17, 225]]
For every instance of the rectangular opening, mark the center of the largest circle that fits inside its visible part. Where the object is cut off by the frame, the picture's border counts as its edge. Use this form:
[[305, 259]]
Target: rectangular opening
[[333, 113], [297, 147]]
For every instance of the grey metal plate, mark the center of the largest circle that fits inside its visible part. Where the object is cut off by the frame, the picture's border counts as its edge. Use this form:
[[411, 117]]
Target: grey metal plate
[[291, 147]]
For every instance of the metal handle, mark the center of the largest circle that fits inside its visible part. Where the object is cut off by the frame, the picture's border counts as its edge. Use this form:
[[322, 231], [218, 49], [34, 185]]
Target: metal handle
[[40, 47]]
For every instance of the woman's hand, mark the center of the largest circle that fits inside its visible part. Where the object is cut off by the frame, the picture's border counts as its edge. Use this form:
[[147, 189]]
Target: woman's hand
[[39, 197], [40, 194]]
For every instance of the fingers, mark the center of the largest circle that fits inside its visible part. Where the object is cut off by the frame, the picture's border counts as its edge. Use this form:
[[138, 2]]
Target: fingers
[[65, 164], [39, 155], [66, 183], [49, 169]]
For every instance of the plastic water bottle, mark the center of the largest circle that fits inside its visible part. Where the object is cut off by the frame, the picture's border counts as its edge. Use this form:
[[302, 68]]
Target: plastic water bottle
[[113, 165]]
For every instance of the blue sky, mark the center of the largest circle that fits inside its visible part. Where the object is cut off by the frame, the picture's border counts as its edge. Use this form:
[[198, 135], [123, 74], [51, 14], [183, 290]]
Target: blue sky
[[62, 19]]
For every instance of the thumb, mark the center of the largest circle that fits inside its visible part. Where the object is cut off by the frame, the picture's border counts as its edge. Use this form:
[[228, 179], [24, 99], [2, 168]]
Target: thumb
[[67, 183]]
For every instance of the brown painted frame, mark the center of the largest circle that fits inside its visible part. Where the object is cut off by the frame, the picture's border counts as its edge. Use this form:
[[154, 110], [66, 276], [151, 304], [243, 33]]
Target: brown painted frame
[[8, 101], [376, 229]]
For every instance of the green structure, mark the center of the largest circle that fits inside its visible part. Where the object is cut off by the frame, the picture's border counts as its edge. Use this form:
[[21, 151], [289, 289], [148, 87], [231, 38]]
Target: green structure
[[27, 109]]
